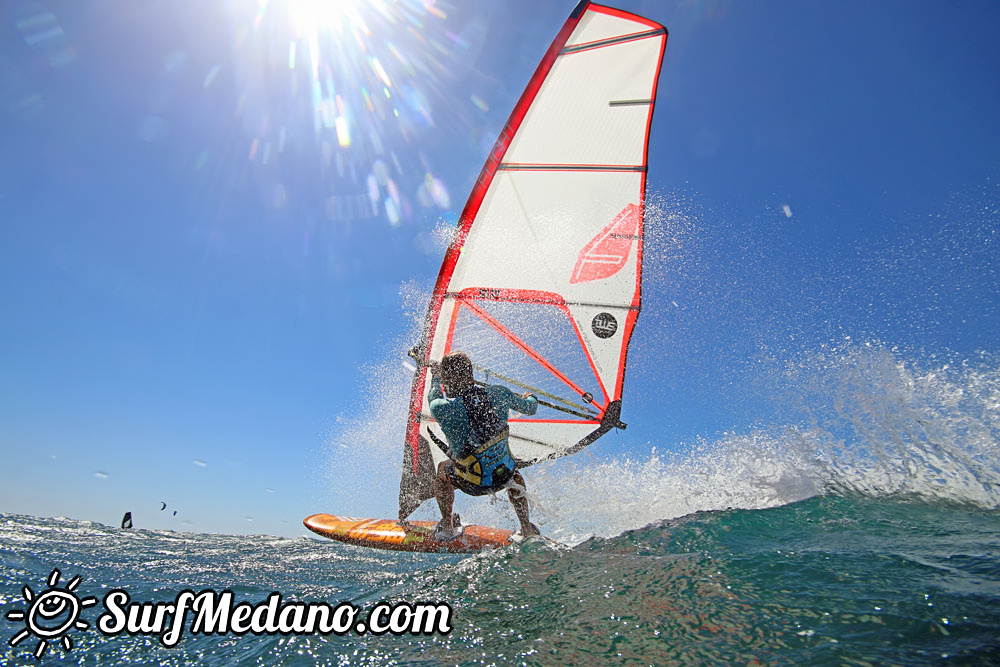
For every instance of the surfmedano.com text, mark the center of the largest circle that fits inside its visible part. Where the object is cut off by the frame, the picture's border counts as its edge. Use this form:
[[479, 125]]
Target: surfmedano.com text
[[215, 613]]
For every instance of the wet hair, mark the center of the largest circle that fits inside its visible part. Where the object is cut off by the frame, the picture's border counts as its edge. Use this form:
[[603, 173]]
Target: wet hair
[[457, 369]]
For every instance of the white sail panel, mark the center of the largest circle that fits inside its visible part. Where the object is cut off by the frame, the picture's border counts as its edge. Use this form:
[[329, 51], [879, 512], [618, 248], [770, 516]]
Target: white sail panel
[[528, 439], [606, 353], [575, 120], [526, 238]]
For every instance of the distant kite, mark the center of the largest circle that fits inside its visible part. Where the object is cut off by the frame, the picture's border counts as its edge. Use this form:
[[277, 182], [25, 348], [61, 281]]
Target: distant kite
[[163, 506]]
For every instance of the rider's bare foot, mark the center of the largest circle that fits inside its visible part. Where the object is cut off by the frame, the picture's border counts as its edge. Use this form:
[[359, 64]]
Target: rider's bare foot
[[530, 530]]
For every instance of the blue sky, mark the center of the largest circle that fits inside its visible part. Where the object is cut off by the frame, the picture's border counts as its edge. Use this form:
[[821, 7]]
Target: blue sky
[[199, 268]]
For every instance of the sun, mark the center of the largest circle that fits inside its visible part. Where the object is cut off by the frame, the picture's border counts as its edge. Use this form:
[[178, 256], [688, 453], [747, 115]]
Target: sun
[[51, 614], [351, 89], [309, 15]]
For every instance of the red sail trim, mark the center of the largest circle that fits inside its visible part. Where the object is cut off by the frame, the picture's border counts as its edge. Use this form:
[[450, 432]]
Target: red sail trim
[[552, 421], [622, 14], [525, 296], [528, 420], [513, 295], [527, 349], [472, 208], [626, 337], [530, 166], [534, 297]]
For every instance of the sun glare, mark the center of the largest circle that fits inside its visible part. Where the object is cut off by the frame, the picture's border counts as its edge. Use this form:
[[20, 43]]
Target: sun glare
[[349, 85], [310, 16]]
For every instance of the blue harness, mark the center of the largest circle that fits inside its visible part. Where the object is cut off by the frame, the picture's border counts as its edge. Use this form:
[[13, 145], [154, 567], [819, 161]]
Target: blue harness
[[490, 461]]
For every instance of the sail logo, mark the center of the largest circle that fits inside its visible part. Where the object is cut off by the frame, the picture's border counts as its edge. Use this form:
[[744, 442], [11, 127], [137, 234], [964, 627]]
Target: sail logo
[[496, 155], [604, 325], [606, 253]]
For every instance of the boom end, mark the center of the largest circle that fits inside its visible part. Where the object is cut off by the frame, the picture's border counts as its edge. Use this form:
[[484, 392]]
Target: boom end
[[611, 417]]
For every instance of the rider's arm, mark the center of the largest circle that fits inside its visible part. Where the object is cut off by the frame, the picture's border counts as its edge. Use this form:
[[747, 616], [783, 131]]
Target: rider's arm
[[526, 404], [442, 411], [436, 391]]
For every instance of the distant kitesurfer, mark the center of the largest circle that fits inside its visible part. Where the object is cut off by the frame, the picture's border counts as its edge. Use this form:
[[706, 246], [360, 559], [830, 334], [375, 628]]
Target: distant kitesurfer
[[474, 420]]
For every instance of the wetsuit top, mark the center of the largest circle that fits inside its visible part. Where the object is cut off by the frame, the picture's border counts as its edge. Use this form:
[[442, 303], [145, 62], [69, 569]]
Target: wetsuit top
[[475, 424]]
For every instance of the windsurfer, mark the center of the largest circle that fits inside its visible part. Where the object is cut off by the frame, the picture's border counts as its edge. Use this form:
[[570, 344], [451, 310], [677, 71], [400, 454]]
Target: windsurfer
[[474, 421]]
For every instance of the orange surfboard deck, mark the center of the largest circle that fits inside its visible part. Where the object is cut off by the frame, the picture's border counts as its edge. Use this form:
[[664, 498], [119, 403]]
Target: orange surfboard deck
[[411, 536]]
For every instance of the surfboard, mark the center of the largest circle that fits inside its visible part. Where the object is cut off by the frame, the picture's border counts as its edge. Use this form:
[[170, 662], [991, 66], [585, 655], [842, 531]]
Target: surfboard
[[410, 536]]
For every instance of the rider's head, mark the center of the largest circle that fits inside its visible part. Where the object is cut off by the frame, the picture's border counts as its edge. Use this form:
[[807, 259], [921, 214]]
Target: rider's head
[[456, 372]]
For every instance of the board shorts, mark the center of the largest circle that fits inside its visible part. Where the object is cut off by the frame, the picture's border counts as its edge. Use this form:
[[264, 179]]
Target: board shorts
[[501, 480]]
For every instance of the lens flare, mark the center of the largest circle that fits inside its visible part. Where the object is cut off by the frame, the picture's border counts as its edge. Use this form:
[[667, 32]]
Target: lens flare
[[350, 89]]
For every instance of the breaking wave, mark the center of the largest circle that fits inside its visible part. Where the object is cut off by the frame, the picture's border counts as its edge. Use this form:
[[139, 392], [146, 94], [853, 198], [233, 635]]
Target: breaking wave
[[866, 421]]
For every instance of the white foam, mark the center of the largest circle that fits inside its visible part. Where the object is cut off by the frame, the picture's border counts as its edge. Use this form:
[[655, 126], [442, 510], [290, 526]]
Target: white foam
[[872, 423]]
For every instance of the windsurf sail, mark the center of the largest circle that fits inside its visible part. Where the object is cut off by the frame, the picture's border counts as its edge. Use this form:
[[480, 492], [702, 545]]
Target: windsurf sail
[[540, 285]]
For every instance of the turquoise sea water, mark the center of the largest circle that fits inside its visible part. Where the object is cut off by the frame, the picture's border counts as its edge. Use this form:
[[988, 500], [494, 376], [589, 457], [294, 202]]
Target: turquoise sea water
[[827, 580]]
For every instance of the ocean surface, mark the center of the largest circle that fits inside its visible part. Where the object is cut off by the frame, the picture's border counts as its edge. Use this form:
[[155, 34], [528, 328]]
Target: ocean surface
[[833, 579]]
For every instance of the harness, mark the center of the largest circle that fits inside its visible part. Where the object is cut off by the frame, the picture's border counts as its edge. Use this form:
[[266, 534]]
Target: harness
[[490, 461]]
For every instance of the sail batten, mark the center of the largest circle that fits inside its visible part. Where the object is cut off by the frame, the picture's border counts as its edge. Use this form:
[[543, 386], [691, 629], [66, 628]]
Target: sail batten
[[512, 166], [541, 285], [613, 41]]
